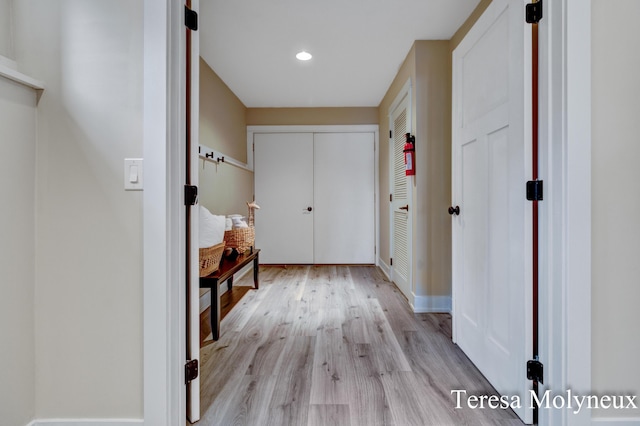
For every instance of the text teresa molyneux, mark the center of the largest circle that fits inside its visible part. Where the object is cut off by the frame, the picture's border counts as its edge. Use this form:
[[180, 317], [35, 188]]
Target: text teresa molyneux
[[567, 400]]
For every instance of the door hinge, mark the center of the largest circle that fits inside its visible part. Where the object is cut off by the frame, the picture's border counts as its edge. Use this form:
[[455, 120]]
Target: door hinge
[[535, 370], [190, 371], [533, 12], [390, 134], [534, 190], [191, 19], [190, 195], [391, 261], [390, 198]]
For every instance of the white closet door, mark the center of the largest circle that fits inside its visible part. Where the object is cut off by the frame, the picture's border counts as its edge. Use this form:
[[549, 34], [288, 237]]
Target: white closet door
[[401, 202], [344, 198], [283, 179]]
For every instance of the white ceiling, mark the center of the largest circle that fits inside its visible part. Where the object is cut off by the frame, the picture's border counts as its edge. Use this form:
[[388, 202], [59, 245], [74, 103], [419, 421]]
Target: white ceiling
[[357, 46]]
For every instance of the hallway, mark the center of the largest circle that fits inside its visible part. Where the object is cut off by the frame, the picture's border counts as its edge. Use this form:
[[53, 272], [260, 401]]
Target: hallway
[[336, 345]]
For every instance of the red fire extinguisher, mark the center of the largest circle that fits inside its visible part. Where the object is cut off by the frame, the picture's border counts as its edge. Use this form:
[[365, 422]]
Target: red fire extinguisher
[[409, 155]]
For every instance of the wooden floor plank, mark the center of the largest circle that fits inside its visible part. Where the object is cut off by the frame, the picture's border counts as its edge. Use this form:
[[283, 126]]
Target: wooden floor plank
[[332, 371], [329, 415], [290, 400]]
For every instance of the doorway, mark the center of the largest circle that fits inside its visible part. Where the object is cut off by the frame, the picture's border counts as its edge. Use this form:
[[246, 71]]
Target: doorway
[[401, 197], [320, 185]]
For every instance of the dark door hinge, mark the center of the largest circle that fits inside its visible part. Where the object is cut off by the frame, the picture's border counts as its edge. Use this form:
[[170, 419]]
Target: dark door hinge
[[390, 134], [533, 12], [190, 195], [390, 197], [391, 261], [534, 190], [191, 19], [535, 370], [190, 371]]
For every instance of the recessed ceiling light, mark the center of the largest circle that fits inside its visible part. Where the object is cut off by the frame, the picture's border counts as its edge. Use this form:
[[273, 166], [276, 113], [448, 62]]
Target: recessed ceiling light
[[303, 56]]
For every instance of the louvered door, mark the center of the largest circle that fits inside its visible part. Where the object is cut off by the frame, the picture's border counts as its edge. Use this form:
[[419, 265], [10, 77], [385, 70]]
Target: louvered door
[[401, 208]]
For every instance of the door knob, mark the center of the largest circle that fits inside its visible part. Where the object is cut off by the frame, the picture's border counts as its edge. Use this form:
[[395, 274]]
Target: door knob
[[454, 210], [404, 207], [309, 208]]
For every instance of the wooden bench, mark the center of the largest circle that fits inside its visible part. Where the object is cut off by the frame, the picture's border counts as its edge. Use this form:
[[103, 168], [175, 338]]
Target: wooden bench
[[225, 273]]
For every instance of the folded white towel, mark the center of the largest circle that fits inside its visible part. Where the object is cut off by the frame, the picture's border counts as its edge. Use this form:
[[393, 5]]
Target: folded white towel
[[238, 222]]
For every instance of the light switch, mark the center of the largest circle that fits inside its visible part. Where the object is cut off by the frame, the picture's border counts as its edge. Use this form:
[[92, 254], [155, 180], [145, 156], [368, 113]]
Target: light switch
[[133, 173], [133, 176]]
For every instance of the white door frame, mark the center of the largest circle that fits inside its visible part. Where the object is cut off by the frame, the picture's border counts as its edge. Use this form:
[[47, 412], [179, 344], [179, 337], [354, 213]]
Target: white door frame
[[566, 155], [565, 212], [164, 313]]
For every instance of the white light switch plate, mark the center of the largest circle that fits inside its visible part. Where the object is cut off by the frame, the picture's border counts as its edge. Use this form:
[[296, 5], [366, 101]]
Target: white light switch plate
[[133, 174]]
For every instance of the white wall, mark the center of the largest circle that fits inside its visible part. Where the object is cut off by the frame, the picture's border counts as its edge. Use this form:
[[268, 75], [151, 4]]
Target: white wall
[[6, 36], [88, 291], [17, 251], [615, 200]]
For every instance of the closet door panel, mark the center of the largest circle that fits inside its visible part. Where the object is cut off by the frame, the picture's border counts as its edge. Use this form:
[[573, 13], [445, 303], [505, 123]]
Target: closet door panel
[[344, 198], [283, 177]]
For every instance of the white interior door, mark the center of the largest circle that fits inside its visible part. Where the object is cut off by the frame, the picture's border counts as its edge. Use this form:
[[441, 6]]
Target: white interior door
[[344, 198], [491, 234], [283, 176], [401, 207]]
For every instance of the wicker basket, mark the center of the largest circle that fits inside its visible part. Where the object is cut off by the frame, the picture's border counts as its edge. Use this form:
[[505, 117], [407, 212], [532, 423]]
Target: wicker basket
[[210, 259], [240, 239]]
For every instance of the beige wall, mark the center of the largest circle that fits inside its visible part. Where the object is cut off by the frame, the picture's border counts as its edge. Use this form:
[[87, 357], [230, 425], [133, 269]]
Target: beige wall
[[17, 252], [224, 189], [312, 116], [615, 200], [432, 224], [466, 26], [88, 269], [222, 116]]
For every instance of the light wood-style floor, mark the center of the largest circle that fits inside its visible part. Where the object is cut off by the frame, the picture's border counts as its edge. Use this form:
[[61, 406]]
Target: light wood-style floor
[[336, 345]]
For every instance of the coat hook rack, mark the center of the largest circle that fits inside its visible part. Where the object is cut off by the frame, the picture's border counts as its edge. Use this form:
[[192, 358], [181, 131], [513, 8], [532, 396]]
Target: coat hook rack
[[217, 157]]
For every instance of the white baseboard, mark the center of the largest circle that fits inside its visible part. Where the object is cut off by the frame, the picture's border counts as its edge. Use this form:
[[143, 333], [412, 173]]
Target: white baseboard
[[431, 304], [86, 422], [386, 270], [615, 421], [421, 304]]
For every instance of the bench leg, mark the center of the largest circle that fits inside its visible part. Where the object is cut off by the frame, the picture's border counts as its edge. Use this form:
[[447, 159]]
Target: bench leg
[[215, 311], [256, 267]]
